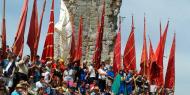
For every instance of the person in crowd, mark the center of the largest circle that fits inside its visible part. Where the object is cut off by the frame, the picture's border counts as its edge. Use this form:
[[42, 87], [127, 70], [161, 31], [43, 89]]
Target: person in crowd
[[22, 73], [109, 78], [82, 89], [37, 68], [57, 73], [107, 65], [25, 85], [40, 83], [46, 75], [48, 66], [146, 84], [83, 73], [129, 82], [3, 89], [153, 88], [61, 65], [62, 89], [102, 78], [122, 88], [42, 86], [139, 83], [9, 71], [76, 68], [68, 75], [95, 90], [55, 81], [91, 73], [20, 90]]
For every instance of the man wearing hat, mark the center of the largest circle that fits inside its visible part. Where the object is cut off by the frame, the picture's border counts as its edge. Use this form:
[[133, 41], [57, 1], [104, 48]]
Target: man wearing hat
[[19, 90]]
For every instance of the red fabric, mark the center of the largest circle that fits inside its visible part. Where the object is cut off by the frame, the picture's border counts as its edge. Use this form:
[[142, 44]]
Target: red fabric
[[33, 31], [54, 65], [160, 55], [144, 57], [4, 48], [117, 51], [129, 59], [170, 74], [21, 52], [73, 48], [153, 64], [98, 49], [18, 45], [62, 67], [40, 25], [79, 46], [48, 51]]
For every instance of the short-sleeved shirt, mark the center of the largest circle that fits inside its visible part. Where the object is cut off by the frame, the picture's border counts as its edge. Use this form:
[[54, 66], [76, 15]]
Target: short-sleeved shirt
[[153, 88], [15, 93], [39, 85], [92, 72], [22, 68], [103, 77]]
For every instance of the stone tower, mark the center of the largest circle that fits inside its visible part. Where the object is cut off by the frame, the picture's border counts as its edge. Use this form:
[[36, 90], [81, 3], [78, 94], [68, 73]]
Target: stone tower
[[91, 12]]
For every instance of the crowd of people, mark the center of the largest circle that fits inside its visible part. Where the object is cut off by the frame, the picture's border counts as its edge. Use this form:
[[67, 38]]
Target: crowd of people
[[20, 76]]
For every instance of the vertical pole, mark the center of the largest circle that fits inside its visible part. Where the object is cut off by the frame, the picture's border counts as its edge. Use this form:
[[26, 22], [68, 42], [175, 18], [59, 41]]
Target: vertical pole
[[3, 9]]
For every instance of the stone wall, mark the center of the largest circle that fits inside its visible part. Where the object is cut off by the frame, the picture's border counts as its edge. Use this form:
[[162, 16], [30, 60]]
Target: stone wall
[[91, 12]]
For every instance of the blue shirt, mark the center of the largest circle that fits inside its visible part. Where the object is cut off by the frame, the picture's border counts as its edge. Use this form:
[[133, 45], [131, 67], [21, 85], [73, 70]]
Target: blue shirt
[[82, 75], [4, 63], [111, 74], [16, 93]]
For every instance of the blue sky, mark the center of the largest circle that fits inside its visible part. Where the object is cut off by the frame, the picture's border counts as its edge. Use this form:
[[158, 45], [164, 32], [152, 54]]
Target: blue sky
[[177, 11]]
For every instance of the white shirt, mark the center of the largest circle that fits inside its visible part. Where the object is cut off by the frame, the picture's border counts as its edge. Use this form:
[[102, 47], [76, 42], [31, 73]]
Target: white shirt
[[46, 76], [22, 67], [68, 75], [39, 85], [101, 71], [153, 88], [92, 72]]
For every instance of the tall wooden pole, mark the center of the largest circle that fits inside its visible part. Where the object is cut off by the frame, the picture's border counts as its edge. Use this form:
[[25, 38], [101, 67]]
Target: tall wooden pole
[[3, 32]]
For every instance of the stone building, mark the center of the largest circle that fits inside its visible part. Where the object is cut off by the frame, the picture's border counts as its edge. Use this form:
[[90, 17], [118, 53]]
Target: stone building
[[91, 12]]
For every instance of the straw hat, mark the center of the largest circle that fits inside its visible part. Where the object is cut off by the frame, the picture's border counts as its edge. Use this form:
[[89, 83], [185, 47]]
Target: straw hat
[[19, 86], [61, 60], [24, 83]]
